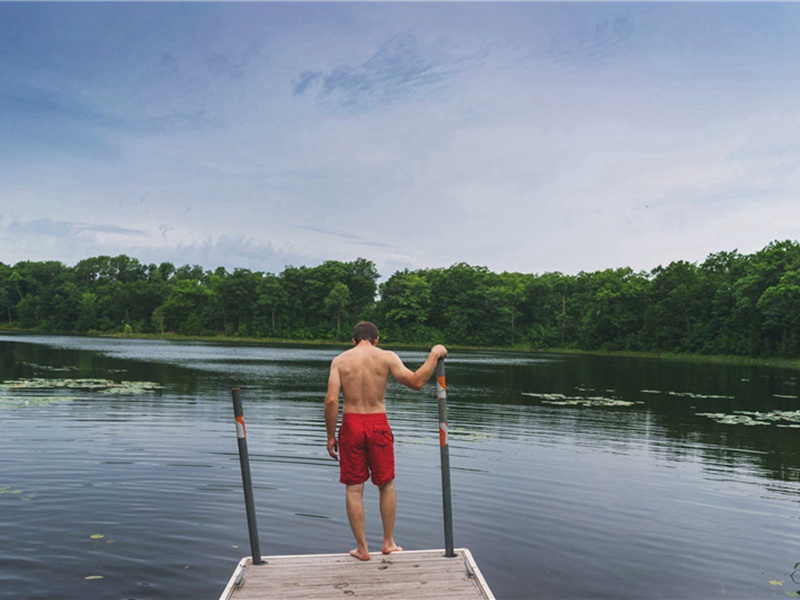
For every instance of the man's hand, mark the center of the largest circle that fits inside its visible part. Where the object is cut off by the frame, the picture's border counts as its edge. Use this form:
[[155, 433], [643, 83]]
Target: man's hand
[[439, 351], [333, 448]]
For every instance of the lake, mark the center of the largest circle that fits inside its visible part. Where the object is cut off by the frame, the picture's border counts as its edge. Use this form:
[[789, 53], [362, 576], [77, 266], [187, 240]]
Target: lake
[[573, 476]]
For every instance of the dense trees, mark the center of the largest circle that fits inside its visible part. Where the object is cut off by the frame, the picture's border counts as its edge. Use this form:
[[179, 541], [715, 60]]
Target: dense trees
[[729, 304]]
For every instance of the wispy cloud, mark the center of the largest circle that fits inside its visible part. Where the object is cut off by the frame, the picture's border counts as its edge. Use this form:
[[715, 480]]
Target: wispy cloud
[[586, 45], [401, 68], [232, 65], [358, 240], [35, 103], [239, 251], [68, 229]]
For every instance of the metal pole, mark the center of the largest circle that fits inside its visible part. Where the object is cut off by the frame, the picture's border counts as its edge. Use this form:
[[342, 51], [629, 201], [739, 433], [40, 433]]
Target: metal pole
[[247, 482], [447, 506]]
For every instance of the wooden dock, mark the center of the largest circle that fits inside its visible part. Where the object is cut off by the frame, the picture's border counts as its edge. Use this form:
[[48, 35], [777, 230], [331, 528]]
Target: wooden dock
[[407, 575]]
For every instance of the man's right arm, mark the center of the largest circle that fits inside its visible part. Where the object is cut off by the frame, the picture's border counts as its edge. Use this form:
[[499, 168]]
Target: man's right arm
[[416, 379], [332, 409]]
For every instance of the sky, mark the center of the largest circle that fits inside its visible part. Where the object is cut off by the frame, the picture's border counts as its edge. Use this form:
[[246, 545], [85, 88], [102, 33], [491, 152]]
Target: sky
[[519, 136]]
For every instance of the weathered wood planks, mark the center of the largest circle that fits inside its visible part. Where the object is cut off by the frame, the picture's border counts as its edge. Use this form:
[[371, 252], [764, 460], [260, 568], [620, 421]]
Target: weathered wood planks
[[410, 574]]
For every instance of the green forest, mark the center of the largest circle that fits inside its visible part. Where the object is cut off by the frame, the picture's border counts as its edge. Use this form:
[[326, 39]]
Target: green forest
[[731, 303]]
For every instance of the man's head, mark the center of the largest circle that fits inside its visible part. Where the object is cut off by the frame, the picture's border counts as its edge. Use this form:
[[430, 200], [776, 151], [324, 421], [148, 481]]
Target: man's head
[[365, 331]]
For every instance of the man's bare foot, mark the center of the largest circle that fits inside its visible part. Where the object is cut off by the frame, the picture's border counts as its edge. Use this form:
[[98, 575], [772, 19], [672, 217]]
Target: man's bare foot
[[360, 554], [389, 548]]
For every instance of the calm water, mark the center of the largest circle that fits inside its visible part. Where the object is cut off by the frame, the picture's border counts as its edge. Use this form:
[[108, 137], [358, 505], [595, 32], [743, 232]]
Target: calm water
[[647, 500]]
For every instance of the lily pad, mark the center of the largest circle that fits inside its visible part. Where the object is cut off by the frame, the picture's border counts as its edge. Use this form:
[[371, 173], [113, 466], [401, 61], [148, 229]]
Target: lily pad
[[700, 396], [50, 368], [583, 401], [106, 386], [545, 396], [19, 494], [779, 418], [18, 401], [589, 402], [466, 435]]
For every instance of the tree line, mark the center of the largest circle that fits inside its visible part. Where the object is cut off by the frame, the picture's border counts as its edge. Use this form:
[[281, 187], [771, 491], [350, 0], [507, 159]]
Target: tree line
[[730, 303]]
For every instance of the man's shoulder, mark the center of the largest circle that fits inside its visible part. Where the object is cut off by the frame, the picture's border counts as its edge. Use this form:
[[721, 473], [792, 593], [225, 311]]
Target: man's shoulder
[[389, 356], [342, 355], [358, 354], [346, 356]]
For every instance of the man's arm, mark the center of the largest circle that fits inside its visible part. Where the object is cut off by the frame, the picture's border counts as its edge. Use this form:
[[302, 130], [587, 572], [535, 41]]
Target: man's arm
[[416, 379], [332, 409]]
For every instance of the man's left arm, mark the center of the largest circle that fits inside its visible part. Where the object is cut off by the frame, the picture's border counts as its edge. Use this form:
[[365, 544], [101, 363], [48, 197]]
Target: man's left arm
[[332, 410], [416, 379]]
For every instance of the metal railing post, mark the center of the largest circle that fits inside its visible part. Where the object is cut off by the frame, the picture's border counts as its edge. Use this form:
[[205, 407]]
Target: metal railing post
[[447, 506], [247, 482]]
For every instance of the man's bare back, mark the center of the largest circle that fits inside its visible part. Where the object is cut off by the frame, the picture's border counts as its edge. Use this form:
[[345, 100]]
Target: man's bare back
[[363, 372]]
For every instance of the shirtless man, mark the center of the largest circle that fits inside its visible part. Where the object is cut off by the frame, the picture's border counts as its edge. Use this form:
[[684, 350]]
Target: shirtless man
[[365, 444]]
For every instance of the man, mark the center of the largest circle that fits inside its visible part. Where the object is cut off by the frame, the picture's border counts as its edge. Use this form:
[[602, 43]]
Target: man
[[365, 444]]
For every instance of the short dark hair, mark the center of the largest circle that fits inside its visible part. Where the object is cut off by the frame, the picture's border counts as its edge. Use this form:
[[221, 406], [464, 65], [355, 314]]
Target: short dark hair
[[365, 331]]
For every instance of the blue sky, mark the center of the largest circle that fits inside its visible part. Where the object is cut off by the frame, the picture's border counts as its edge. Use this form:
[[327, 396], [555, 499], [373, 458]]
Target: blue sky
[[531, 137]]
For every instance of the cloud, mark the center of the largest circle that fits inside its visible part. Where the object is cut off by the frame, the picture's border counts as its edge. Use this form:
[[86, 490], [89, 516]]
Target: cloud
[[37, 103], [232, 251], [67, 229], [590, 39], [355, 239], [36, 121], [399, 69], [233, 66], [48, 113]]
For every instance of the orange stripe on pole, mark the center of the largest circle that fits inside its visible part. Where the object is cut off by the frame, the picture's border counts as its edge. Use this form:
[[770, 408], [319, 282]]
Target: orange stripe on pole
[[241, 432], [441, 387], [441, 394]]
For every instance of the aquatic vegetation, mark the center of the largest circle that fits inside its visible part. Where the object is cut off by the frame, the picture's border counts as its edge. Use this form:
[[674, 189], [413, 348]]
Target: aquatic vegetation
[[467, 435], [32, 401], [779, 418], [590, 402], [584, 401], [545, 396], [689, 395], [26, 393], [20, 494], [700, 396], [106, 386], [100, 541], [48, 367]]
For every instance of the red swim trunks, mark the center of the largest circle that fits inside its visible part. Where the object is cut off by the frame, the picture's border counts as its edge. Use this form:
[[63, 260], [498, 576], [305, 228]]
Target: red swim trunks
[[366, 445]]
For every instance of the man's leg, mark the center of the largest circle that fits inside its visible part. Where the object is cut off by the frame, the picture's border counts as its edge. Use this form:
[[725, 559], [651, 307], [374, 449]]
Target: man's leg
[[388, 502], [355, 514]]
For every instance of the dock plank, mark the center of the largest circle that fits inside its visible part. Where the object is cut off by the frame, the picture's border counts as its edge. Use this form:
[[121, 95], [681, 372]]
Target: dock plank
[[408, 574]]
